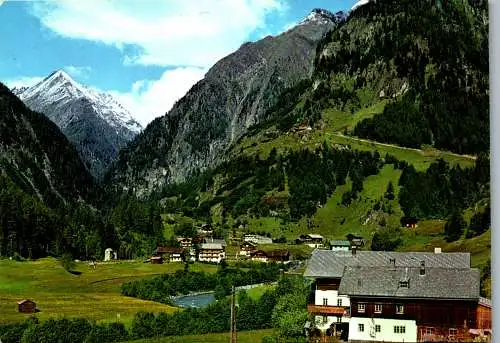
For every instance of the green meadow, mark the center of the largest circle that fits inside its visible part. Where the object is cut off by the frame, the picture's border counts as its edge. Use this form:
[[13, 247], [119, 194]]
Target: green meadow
[[94, 294]]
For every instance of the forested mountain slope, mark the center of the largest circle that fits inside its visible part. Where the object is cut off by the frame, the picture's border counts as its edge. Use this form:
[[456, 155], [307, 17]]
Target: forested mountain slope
[[428, 59], [235, 94], [387, 76], [37, 156]]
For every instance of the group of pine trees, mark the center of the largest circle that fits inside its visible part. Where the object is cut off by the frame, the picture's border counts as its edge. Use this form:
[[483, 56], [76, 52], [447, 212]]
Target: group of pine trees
[[31, 229]]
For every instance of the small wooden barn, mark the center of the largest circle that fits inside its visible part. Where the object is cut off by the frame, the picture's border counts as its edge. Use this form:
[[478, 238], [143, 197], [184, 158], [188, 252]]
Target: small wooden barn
[[156, 260], [26, 306]]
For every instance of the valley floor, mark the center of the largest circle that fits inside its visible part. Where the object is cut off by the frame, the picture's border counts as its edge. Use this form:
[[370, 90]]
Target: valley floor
[[94, 294]]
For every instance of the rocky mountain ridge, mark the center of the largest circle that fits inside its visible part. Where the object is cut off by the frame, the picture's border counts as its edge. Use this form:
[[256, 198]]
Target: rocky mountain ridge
[[95, 122], [234, 95], [36, 156]]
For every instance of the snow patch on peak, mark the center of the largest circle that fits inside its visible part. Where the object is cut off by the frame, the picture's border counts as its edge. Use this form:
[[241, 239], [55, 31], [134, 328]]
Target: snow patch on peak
[[60, 88], [19, 90], [322, 16]]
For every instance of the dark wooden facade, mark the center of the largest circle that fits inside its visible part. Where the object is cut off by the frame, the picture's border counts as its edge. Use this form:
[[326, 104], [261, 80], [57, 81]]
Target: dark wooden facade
[[483, 317], [26, 306], [447, 312], [156, 260], [327, 284], [436, 319], [278, 256]]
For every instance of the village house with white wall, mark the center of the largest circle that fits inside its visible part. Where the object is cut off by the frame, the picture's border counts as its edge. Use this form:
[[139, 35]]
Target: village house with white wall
[[313, 240], [397, 296], [211, 252]]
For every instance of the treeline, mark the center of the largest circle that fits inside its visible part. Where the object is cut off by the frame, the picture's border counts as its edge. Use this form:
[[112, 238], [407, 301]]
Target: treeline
[[138, 227], [63, 330], [162, 288], [456, 225], [442, 190], [283, 308], [256, 187], [30, 229]]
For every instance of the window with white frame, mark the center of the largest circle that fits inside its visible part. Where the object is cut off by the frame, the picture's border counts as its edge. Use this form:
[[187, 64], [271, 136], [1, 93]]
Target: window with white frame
[[361, 327], [399, 329], [325, 302], [378, 308], [429, 331], [377, 328], [400, 309], [361, 308], [452, 332], [339, 302]]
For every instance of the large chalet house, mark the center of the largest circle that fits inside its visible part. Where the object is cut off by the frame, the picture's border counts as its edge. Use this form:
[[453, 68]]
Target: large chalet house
[[170, 254], [211, 252], [397, 296], [276, 256], [246, 248]]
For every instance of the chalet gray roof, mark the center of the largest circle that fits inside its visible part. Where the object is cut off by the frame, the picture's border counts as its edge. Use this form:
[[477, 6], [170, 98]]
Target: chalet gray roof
[[216, 241], [328, 263], [442, 283], [211, 246], [340, 243], [314, 236]]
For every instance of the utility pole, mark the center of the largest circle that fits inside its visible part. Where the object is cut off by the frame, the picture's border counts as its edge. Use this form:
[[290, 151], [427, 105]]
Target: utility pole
[[233, 316]]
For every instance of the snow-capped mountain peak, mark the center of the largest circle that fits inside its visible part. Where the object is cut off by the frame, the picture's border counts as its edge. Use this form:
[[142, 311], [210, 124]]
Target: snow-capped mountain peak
[[60, 87], [92, 120], [322, 16]]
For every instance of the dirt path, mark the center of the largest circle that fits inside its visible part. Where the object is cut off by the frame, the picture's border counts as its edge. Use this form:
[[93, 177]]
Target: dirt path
[[423, 152]]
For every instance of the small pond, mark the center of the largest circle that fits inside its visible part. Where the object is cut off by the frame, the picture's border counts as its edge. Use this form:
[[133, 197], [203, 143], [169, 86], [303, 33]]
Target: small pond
[[205, 299], [197, 301]]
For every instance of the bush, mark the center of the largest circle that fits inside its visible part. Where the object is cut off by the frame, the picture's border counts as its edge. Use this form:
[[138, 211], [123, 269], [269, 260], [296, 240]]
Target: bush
[[67, 262], [269, 339], [386, 239]]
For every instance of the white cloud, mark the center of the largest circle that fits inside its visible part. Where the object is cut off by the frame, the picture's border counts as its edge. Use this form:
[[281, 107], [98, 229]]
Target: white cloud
[[1, 2], [176, 32], [23, 81], [148, 99], [78, 72]]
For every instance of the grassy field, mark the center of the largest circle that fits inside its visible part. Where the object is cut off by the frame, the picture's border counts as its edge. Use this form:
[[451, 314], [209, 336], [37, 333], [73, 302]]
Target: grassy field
[[420, 158], [243, 337], [94, 294], [337, 120]]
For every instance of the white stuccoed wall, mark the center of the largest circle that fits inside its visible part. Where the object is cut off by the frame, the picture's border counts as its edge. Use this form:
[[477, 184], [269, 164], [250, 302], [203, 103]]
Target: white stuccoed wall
[[386, 330], [330, 320], [332, 297]]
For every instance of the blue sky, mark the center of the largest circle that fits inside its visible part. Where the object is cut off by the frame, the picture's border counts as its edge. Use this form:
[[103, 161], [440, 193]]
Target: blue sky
[[147, 53]]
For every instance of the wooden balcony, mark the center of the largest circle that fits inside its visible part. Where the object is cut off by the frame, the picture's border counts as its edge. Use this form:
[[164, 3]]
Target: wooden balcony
[[322, 309]]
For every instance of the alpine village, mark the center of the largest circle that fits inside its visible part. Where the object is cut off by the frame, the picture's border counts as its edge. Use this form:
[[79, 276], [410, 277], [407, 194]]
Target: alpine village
[[328, 183]]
